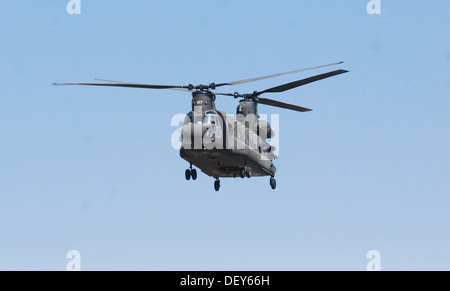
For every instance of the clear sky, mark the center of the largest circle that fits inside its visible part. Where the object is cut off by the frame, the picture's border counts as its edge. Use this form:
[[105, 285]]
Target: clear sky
[[93, 169]]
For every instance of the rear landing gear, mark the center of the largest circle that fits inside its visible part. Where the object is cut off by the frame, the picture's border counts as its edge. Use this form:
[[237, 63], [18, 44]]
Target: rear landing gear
[[242, 173], [190, 173], [273, 183], [217, 185], [245, 172]]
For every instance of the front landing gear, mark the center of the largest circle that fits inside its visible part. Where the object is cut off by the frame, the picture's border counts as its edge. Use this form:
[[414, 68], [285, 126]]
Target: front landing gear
[[217, 185], [273, 183], [190, 173]]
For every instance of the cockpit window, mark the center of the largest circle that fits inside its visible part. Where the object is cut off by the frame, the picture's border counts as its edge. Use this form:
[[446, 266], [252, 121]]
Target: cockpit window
[[210, 118]]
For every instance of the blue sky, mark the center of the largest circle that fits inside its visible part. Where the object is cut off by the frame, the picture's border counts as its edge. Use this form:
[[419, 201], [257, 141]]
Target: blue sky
[[92, 169]]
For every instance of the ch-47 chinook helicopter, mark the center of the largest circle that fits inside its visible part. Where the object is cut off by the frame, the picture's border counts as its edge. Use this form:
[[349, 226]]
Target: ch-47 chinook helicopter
[[221, 145]]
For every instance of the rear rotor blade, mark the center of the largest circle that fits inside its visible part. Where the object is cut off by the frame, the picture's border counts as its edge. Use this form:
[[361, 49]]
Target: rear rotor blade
[[274, 75], [302, 82], [274, 103]]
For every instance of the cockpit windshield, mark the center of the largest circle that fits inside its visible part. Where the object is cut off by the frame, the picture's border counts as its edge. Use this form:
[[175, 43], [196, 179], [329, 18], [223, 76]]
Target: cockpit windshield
[[210, 118]]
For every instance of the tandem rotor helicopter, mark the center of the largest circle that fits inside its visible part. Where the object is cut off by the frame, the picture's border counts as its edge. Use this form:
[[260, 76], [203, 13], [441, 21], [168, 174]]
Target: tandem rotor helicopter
[[222, 146]]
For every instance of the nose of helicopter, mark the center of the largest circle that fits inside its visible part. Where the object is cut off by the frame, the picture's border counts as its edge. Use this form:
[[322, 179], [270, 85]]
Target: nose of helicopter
[[192, 135]]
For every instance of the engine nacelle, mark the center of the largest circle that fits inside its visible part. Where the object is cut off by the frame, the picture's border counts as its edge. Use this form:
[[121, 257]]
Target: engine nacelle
[[264, 129]]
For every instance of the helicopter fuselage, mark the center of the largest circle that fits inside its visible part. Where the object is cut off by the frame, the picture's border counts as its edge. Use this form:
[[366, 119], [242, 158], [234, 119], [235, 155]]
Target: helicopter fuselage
[[223, 146]]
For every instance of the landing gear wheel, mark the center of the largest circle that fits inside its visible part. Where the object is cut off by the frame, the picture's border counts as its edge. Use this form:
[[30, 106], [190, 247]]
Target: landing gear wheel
[[248, 173], [194, 174], [242, 173], [187, 174], [273, 183], [217, 185]]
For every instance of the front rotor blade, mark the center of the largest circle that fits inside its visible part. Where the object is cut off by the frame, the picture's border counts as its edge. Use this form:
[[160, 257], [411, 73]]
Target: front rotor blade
[[282, 105], [127, 85], [274, 75], [302, 82], [124, 82], [113, 81]]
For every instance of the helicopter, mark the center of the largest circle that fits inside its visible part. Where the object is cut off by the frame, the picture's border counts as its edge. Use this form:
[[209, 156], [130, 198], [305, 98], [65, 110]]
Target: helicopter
[[223, 146]]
